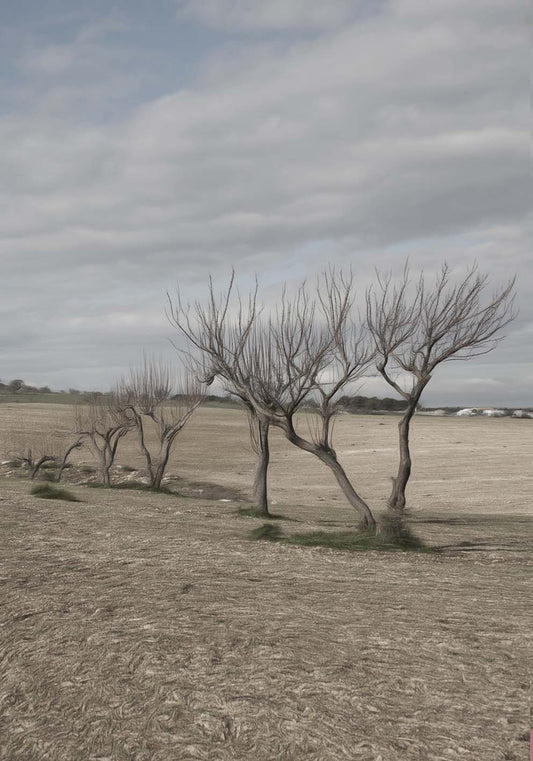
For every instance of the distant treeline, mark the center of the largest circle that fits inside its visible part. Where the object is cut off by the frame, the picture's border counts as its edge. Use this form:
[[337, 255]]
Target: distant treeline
[[353, 404], [366, 403], [17, 389]]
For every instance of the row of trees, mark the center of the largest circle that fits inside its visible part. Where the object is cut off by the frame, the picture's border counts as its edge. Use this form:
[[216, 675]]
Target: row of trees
[[318, 342], [148, 403], [304, 354]]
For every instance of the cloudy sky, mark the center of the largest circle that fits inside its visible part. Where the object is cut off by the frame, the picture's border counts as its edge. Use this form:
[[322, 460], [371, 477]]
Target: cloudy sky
[[148, 144]]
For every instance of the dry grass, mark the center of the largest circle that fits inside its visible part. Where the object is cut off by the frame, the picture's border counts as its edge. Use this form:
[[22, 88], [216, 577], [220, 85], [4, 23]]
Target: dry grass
[[145, 627]]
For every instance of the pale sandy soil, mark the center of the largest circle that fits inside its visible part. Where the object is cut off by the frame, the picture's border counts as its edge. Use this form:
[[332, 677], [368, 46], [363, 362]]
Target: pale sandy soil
[[148, 627]]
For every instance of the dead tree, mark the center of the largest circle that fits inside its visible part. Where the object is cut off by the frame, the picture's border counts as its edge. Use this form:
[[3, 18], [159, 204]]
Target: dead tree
[[308, 347], [157, 406], [418, 326], [103, 423]]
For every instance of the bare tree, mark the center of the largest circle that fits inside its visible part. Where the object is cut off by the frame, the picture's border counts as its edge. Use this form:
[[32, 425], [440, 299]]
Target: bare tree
[[308, 347], [418, 326], [103, 423], [41, 450], [156, 405]]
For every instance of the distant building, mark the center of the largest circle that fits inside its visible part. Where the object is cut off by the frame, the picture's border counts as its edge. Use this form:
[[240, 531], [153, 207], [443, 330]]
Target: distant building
[[522, 413], [493, 413]]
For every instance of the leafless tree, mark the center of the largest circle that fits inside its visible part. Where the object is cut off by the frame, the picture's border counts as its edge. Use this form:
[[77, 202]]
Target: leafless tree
[[33, 455], [157, 405], [417, 326], [307, 347], [103, 423]]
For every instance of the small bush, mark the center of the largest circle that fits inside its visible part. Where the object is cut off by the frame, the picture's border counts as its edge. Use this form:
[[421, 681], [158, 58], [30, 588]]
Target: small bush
[[266, 532], [46, 491], [88, 469]]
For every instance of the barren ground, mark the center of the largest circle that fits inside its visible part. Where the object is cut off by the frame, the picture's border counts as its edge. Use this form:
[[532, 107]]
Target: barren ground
[[147, 627]]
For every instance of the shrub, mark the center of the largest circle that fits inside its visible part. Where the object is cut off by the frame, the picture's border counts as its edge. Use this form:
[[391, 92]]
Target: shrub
[[46, 491]]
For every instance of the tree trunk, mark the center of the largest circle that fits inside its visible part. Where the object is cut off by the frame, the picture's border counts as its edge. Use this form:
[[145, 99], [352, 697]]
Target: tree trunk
[[397, 499], [261, 468], [76, 445], [37, 465], [367, 519], [105, 467], [145, 451], [328, 457], [106, 477]]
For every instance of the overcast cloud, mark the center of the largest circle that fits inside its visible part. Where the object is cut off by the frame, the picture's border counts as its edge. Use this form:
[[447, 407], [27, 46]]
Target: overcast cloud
[[144, 147]]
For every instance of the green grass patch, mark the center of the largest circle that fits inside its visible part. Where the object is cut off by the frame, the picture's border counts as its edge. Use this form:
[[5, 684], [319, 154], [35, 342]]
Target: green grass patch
[[47, 491], [348, 541], [253, 512]]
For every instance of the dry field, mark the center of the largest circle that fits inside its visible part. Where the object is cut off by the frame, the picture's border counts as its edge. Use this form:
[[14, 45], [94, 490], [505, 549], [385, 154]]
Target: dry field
[[147, 627]]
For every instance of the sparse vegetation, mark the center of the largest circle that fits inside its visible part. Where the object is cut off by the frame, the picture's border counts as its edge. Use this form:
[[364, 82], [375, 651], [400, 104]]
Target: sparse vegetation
[[348, 541]]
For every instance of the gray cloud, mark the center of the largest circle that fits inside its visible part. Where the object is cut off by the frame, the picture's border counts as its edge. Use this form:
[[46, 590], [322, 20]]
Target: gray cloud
[[276, 14], [399, 133]]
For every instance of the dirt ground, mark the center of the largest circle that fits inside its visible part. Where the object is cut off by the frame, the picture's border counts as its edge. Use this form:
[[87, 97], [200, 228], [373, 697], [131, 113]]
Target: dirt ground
[[147, 627]]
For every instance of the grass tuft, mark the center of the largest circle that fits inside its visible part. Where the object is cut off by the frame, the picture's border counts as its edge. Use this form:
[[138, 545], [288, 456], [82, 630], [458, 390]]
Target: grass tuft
[[266, 532], [46, 491], [395, 530]]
